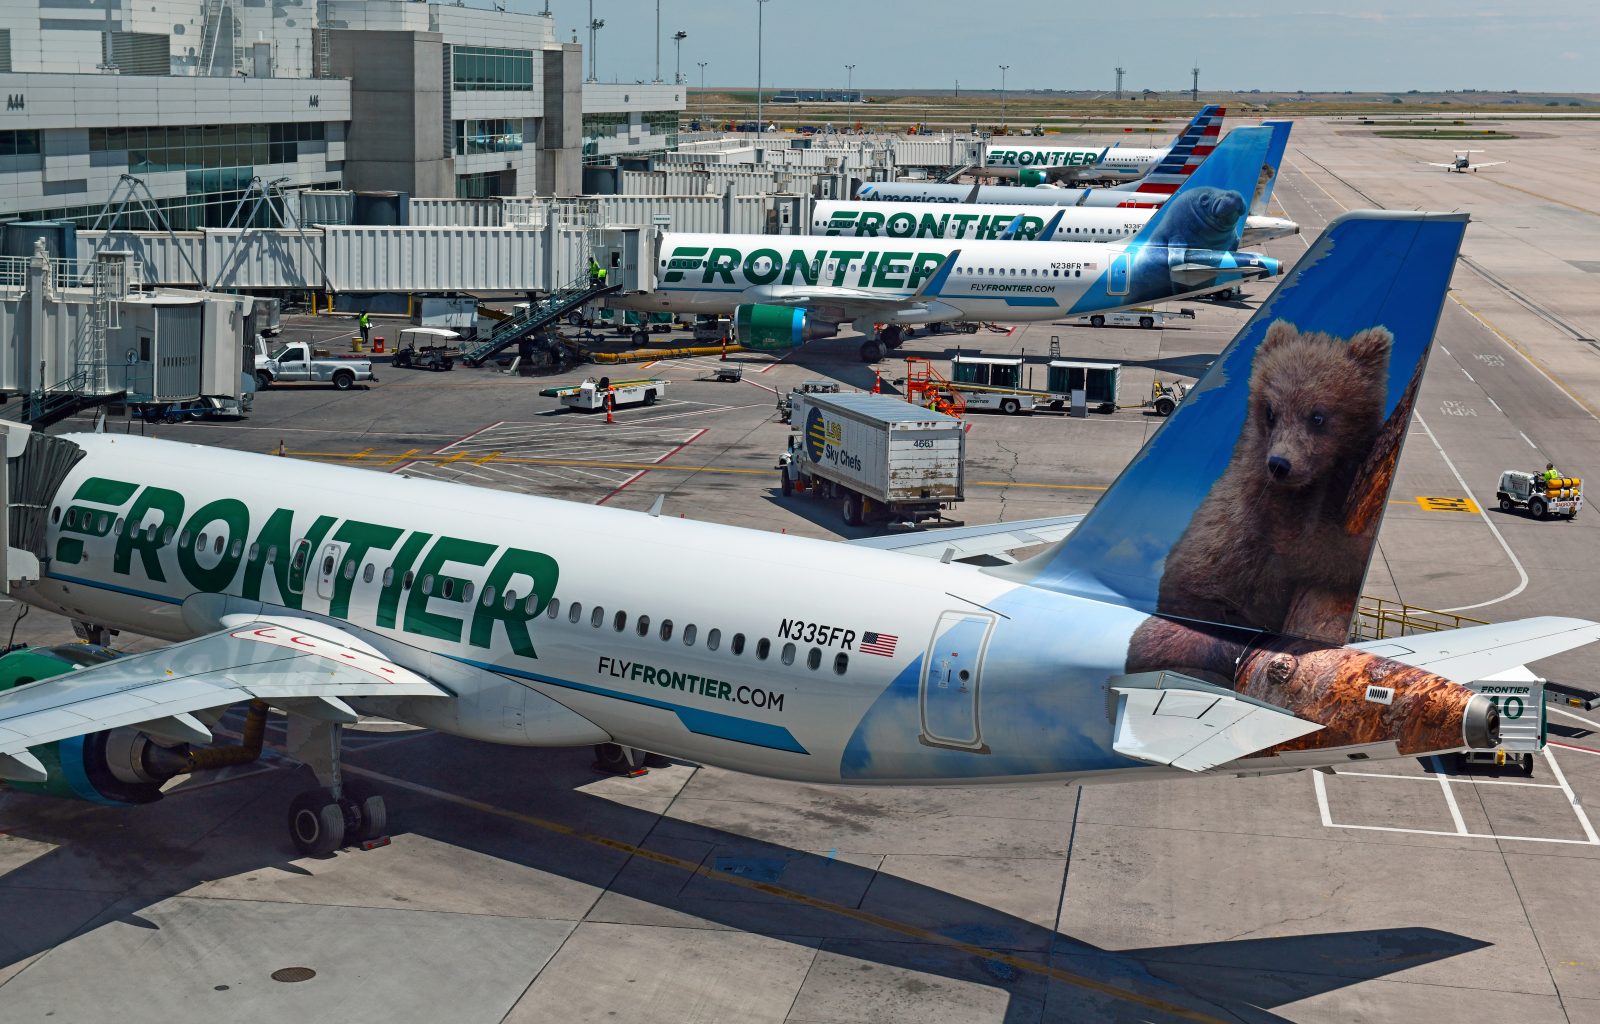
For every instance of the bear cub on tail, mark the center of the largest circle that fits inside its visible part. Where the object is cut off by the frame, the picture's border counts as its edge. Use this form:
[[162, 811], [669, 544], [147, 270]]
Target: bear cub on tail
[[1268, 545]]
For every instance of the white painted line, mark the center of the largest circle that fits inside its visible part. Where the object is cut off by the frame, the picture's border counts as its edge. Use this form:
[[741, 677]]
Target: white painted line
[[1495, 404], [1466, 779], [1572, 798], [1586, 721], [1322, 799], [1522, 574], [1465, 374], [1455, 809], [1444, 350], [1530, 443]]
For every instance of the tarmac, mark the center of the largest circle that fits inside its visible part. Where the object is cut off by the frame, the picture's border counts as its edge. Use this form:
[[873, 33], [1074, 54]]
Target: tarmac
[[522, 886]]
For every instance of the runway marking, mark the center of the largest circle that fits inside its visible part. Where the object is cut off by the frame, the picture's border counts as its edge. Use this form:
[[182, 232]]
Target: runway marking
[[363, 453], [1528, 358], [402, 458], [1448, 504], [487, 458], [702, 870], [1522, 574], [1526, 438], [1591, 839], [697, 435], [619, 487], [1472, 780]]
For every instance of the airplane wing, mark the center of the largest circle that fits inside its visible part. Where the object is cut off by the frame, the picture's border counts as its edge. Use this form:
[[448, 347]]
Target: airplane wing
[[1478, 652], [1492, 163], [844, 304], [295, 663], [1170, 719], [1447, 167], [985, 545]]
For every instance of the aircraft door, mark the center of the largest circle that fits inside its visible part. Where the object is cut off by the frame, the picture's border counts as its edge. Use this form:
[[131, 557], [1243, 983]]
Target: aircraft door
[[1117, 276], [328, 566], [952, 674]]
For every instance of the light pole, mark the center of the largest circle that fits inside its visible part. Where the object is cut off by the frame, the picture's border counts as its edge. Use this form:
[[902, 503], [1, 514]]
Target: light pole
[[850, 96], [658, 40], [761, 8], [1003, 69], [702, 64], [594, 27], [677, 72]]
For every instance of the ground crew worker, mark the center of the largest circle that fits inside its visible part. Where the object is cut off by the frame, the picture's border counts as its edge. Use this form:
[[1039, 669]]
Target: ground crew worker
[[597, 273], [365, 323], [1550, 472]]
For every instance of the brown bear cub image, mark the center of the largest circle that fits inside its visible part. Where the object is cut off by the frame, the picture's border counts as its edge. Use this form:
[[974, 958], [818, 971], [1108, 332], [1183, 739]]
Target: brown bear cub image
[[1271, 546]]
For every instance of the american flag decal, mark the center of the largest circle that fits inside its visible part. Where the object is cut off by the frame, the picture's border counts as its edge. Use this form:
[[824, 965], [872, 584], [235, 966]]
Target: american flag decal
[[881, 644]]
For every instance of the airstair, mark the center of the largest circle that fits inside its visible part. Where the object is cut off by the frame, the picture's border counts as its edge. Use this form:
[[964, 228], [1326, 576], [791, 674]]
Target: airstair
[[535, 318], [928, 388]]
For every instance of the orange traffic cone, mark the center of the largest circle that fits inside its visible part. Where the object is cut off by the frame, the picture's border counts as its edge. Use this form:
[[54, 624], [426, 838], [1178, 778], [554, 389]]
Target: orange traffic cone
[[608, 407], [877, 382]]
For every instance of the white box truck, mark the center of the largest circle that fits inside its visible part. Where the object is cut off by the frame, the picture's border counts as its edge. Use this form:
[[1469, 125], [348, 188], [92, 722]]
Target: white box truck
[[883, 458]]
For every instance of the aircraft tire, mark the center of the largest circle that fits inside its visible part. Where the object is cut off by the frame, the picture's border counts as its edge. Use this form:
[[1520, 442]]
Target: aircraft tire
[[785, 484], [371, 812], [892, 337], [871, 351], [316, 823]]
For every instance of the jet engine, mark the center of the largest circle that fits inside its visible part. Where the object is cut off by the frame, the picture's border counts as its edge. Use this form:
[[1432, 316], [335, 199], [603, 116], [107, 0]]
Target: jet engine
[[1029, 176], [765, 327]]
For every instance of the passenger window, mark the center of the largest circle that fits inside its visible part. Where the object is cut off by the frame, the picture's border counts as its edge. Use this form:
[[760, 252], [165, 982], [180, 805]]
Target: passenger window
[[713, 639], [574, 613], [509, 601], [236, 549], [620, 622], [688, 635], [272, 553], [763, 648], [350, 569], [531, 605], [388, 577], [666, 629], [737, 646], [644, 625], [216, 545], [369, 572], [788, 654], [466, 593], [150, 532], [55, 514], [255, 552], [200, 544], [410, 577], [447, 588], [427, 584], [553, 610], [841, 661], [488, 596], [101, 522], [597, 617], [814, 659], [119, 527], [184, 539]]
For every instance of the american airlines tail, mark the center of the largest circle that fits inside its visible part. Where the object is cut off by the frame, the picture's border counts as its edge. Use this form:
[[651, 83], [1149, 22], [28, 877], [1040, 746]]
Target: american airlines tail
[[1187, 152], [1256, 508]]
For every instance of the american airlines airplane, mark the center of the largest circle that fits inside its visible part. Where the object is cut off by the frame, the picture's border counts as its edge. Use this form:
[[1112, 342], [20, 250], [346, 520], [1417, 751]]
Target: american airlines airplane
[[1203, 633], [785, 290], [1008, 157], [1148, 192], [1023, 223]]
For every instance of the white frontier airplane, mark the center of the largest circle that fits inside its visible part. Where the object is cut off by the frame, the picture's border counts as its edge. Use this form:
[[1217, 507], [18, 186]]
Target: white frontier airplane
[[785, 291], [1148, 192], [1155, 638], [1007, 158], [992, 221]]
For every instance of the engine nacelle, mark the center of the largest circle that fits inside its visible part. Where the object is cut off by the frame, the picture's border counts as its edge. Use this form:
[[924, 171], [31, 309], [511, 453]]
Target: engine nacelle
[[1030, 176], [766, 328], [122, 766]]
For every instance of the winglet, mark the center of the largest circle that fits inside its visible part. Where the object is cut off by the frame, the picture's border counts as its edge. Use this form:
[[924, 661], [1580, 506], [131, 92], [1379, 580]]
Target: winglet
[[934, 285]]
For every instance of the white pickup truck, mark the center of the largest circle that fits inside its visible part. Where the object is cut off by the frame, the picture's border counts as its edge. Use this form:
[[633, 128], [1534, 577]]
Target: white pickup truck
[[294, 362]]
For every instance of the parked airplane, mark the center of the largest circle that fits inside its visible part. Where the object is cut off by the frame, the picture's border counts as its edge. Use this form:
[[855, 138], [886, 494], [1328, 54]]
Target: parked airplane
[[1204, 632], [1005, 158], [1022, 223], [1146, 193], [1462, 162], [785, 291]]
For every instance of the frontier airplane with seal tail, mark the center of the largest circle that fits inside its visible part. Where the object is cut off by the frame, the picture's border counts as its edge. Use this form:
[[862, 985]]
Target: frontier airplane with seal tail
[[1196, 635]]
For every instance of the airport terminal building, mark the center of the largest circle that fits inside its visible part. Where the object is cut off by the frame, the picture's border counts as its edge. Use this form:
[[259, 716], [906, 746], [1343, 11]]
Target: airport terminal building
[[198, 97]]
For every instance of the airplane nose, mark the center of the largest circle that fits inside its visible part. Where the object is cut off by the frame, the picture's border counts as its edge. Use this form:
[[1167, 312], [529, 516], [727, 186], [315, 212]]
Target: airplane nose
[[1278, 466]]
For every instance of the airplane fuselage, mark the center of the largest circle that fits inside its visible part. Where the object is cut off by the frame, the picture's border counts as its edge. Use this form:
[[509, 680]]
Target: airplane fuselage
[[1016, 195], [803, 659], [990, 221], [1006, 158], [988, 280]]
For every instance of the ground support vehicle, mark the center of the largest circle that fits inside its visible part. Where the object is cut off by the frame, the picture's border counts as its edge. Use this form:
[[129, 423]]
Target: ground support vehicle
[[427, 348], [295, 362], [1142, 317], [1543, 498], [1164, 398], [710, 330], [591, 395], [198, 409], [728, 373], [883, 458], [807, 387]]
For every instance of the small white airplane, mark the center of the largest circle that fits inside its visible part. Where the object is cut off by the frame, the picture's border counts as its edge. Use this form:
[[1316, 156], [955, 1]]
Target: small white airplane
[[1194, 622], [786, 290], [1462, 162]]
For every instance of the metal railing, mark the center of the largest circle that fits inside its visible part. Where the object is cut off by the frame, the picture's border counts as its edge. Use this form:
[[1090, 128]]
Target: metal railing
[[125, 276], [1378, 618]]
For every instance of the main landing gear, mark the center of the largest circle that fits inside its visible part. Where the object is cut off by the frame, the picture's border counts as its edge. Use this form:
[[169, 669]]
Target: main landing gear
[[630, 762], [890, 337], [340, 812]]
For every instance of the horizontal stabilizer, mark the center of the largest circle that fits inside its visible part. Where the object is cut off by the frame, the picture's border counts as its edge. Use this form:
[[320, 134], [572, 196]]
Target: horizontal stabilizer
[[965, 543], [1478, 652], [1170, 719]]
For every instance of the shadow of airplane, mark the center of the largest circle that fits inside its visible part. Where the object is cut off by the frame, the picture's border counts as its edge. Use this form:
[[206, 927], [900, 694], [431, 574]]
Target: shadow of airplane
[[527, 807]]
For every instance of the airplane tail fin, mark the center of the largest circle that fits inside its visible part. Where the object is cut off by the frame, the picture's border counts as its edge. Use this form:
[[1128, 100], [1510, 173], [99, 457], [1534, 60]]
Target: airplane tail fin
[[1269, 167], [1187, 152], [1208, 209], [1258, 504]]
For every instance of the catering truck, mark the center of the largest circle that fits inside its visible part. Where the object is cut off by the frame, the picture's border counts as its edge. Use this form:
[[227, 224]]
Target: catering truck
[[884, 459]]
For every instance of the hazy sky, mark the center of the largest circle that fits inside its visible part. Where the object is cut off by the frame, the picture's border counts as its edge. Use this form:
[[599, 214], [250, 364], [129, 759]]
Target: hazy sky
[[1545, 45]]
